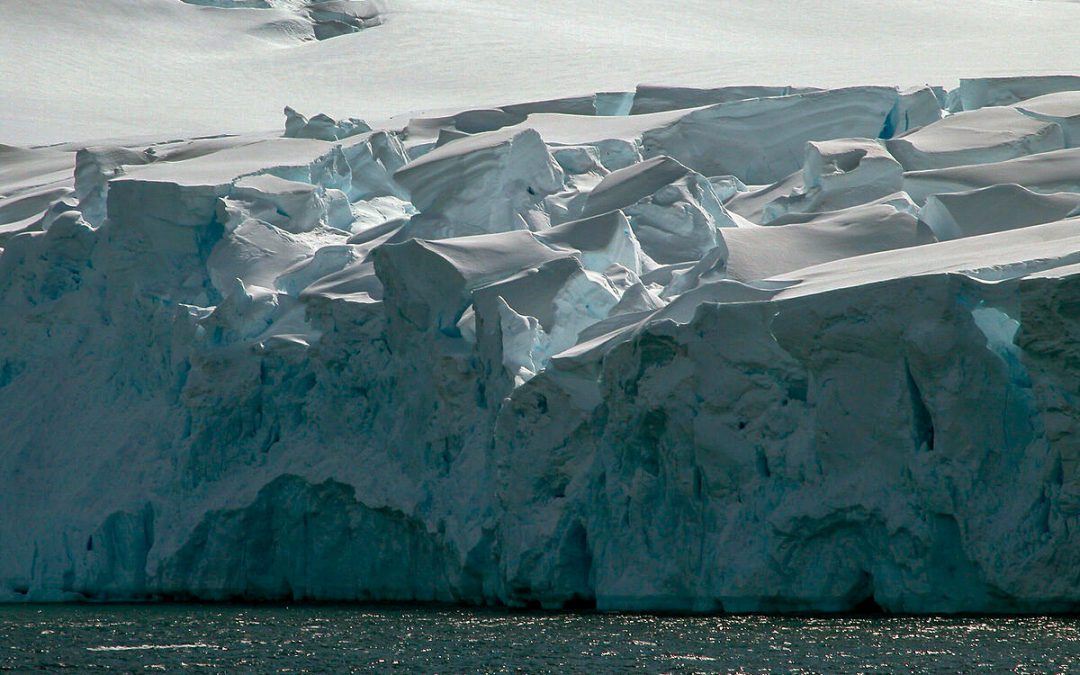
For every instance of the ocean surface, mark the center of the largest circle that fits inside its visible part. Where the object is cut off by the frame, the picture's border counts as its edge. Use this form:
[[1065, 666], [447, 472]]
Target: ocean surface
[[335, 639]]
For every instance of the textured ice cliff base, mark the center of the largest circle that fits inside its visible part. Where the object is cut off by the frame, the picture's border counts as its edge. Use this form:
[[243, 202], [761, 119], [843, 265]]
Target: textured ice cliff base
[[602, 350]]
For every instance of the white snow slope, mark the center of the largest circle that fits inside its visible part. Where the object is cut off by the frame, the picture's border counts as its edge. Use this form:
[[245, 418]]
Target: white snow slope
[[726, 354], [90, 69]]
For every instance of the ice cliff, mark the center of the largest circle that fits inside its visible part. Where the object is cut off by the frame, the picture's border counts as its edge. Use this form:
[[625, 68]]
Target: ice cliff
[[731, 349]]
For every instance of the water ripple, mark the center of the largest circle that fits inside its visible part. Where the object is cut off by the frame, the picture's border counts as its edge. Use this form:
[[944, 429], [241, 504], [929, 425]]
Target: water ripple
[[310, 639]]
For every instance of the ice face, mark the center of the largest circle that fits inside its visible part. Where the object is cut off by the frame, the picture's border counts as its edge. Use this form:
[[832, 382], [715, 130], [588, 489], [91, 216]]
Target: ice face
[[1061, 108], [839, 174], [980, 92], [1056, 171], [674, 212], [659, 98], [429, 282], [321, 126], [993, 209], [979, 137], [915, 108], [760, 140], [757, 253], [600, 241], [489, 183], [725, 357]]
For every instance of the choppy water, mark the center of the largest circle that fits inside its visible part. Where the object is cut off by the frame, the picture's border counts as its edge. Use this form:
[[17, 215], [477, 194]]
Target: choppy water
[[141, 638]]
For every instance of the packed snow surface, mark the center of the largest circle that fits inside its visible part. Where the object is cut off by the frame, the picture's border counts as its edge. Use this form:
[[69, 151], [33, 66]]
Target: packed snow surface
[[693, 348], [92, 69]]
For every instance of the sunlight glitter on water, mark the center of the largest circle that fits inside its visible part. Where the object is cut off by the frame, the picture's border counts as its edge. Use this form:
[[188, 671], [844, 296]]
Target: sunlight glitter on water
[[136, 648], [215, 638]]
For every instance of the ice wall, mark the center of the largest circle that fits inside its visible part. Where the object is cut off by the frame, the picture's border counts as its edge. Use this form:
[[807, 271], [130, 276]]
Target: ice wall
[[725, 357]]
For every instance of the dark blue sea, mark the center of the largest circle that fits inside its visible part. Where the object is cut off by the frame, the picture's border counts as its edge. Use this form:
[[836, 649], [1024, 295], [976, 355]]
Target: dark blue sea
[[339, 639]]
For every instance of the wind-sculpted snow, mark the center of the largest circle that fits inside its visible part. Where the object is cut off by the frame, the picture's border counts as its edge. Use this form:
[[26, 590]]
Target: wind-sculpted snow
[[761, 140], [837, 175], [1056, 171], [978, 137], [728, 349], [953, 215], [1062, 108], [674, 211]]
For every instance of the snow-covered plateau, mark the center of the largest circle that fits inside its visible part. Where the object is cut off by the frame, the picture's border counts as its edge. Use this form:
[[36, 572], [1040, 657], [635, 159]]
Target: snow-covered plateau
[[697, 346]]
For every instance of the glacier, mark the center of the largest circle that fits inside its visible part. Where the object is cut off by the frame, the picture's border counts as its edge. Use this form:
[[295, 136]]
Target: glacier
[[745, 349]]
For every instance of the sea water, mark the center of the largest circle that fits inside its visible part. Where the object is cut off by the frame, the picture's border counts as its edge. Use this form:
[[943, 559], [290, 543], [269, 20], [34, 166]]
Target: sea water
[[334, 639]]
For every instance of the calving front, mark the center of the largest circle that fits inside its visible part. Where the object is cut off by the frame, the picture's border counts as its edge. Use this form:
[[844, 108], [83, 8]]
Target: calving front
[[784, 349]]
